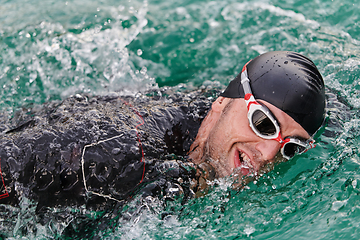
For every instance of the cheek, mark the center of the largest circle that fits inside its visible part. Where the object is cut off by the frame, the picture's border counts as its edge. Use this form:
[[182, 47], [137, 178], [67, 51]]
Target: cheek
[[223, 132], [216, 141]]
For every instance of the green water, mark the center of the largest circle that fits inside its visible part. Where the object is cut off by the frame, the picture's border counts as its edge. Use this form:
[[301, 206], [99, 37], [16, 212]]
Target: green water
[[51, 49]]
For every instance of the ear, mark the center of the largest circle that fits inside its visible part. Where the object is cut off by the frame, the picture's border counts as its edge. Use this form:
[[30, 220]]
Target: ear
[[219, 104]]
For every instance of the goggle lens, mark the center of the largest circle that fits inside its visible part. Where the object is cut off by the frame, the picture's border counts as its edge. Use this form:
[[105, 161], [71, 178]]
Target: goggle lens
[[262, 123], [290, 149]]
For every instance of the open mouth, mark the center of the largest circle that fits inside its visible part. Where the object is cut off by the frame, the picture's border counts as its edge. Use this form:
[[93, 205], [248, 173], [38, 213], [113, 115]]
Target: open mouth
[[243, 162]]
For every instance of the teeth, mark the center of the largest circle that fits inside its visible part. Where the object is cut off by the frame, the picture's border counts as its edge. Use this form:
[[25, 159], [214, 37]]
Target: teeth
[[245, 163]]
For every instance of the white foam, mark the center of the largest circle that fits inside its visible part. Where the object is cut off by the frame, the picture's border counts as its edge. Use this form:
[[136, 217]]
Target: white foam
[[236, 10], [337, 205]]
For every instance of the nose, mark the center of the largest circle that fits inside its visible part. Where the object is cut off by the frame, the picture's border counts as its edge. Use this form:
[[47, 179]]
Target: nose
[[268, 148]]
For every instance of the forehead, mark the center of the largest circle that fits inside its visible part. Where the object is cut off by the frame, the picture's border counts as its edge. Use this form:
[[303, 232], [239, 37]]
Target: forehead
[[288, 126]]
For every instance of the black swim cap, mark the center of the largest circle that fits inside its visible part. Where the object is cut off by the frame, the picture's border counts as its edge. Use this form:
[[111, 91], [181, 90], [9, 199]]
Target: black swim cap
[[289, 81]]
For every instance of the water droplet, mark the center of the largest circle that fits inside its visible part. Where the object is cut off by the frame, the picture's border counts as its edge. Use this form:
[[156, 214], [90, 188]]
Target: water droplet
[[116, 151], [143, 70], [249, 230]]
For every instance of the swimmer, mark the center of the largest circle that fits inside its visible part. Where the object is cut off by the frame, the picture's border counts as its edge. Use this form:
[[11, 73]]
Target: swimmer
[[91, 150], [273, 107]]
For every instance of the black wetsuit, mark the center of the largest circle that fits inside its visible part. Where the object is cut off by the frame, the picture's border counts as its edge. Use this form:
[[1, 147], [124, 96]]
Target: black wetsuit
[[45, 151]]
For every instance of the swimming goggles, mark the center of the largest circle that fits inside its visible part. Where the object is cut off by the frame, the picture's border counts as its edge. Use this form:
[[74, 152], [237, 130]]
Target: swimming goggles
[[265, 125]]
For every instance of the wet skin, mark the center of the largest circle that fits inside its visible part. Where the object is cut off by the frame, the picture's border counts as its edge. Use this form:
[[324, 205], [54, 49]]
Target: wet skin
[[227, 142]]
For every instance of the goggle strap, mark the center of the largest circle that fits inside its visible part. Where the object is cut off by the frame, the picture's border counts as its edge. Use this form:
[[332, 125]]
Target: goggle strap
[[311, 145], [245, 82]]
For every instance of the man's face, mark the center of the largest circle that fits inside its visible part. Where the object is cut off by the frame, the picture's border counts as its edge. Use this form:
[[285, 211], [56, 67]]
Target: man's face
[[232, 144]]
